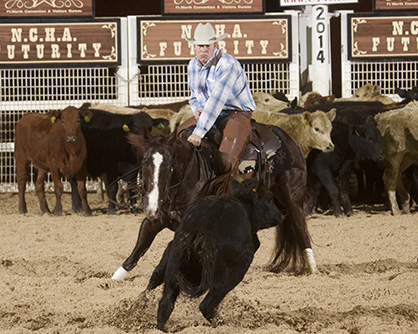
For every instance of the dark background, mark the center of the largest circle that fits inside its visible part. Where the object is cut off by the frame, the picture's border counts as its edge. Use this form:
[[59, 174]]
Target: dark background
[[112, 8]]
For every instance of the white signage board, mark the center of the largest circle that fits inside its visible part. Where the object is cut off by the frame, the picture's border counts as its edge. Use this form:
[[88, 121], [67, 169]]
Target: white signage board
[[320, 69], [314, 2]]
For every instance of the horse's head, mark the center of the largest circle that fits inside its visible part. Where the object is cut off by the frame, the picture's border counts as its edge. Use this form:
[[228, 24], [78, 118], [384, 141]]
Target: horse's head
[[160, 169]]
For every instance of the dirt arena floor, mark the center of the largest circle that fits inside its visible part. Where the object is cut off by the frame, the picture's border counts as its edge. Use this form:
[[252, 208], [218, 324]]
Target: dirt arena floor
[[56, 277]]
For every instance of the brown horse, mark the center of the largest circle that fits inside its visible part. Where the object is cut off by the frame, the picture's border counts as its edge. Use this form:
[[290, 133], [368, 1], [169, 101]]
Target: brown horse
[[173, 176]]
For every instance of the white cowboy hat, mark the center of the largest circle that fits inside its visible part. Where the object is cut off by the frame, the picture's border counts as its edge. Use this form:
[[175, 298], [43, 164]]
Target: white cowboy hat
[[204, 35]]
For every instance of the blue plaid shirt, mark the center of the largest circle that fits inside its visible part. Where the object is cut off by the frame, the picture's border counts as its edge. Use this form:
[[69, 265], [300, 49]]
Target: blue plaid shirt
[[220, 84]]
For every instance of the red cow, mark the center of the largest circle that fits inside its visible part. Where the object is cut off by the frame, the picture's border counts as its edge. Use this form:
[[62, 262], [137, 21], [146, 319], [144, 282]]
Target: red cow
[[54, 143]]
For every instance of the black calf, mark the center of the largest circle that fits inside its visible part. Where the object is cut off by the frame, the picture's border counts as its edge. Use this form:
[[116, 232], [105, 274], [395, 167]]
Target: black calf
[[213, 247], [353, 143]]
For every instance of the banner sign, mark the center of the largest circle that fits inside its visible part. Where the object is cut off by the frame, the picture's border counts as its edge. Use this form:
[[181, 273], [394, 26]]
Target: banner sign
[[382, 36], [404, 5], [60, 43], [46, 8], [249, 39], [212, 6], [314, 2]]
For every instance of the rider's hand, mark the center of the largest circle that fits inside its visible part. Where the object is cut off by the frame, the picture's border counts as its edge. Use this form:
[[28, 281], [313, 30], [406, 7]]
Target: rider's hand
[[197, 114], [194, 139]]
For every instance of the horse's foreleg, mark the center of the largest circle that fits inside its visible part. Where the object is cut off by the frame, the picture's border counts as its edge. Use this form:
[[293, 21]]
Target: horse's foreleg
[[149, 229]]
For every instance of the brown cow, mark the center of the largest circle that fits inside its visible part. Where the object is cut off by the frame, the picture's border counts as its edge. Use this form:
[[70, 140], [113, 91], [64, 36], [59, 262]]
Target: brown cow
[[54, 143], [313, 98]]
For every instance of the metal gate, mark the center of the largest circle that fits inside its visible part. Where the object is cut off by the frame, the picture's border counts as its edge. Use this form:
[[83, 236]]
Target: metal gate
[[44, 89]]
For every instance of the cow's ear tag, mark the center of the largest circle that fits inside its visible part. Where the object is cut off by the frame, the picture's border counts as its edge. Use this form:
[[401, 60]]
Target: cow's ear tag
[[53, 119], [126, 128], [86, 119], [306, 121], [356, 132]]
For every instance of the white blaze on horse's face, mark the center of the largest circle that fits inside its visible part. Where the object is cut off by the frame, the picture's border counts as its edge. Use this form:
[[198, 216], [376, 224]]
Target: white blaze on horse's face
[[154, 195]]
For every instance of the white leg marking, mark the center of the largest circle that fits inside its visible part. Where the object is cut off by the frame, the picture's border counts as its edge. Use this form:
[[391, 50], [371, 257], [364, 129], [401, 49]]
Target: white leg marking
[[310, 260], [154, 195], [120, 274]]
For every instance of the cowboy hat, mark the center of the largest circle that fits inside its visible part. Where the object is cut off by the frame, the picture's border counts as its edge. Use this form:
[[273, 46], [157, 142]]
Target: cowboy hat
[[204, 35]]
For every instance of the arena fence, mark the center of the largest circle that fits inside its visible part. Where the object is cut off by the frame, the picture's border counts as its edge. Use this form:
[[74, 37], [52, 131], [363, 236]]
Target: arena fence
[[44, 89]]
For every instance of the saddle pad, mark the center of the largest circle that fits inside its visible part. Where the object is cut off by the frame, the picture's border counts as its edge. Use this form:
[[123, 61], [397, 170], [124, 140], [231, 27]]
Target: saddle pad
[[266, 153], [279, 160]]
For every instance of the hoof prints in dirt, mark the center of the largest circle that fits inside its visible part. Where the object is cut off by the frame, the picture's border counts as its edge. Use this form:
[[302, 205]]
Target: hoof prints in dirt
[[16, 318], [132, 314], [54, 267], [141, 314], [376, 267]]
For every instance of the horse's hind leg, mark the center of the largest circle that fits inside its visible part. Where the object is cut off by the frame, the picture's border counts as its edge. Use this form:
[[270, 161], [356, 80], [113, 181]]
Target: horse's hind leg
[[149, 229], [303, 239]]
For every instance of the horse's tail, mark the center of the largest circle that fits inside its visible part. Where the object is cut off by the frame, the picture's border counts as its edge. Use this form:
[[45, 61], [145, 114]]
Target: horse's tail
[[197, 255], [288, 255]]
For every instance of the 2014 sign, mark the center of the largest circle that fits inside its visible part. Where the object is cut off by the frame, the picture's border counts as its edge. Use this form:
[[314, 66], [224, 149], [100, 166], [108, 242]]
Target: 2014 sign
[[320, 30]]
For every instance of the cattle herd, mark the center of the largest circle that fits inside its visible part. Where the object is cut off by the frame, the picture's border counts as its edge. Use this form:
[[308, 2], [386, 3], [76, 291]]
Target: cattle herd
[[368, 137]]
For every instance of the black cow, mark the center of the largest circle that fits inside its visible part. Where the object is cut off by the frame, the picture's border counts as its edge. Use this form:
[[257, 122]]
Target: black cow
[[352, 112], [282, 97], [108, 151], [213, 247], [332, 170], [408, 95]]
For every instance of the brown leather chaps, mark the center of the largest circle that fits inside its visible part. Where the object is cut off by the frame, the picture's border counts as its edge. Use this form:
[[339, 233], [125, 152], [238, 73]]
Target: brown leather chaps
[[236, 133]]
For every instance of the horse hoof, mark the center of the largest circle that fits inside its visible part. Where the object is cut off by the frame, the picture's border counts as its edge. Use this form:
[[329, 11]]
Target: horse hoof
[[120, 274]]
